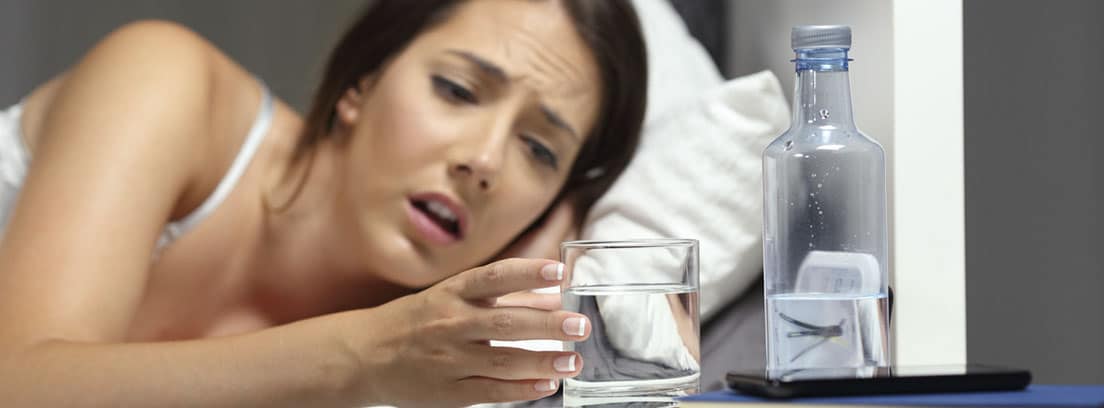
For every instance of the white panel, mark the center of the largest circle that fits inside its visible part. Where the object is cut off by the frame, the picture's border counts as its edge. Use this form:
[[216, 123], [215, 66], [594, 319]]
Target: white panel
[[929, 263]]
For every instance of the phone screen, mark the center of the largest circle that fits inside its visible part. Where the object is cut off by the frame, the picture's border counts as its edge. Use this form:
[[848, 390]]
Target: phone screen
[[871, 372]]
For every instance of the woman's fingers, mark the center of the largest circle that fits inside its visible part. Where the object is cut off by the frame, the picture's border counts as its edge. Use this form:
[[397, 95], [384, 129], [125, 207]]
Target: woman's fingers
[[521, 323], [543, 301], [453, 321], [506, 276], [508, 363]]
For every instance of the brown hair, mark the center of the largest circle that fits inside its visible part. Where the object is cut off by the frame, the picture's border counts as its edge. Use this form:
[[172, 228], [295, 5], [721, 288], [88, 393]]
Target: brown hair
[[608, 27]]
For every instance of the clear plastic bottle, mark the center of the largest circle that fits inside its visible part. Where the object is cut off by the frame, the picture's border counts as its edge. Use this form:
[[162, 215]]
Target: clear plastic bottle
[[825, 243]]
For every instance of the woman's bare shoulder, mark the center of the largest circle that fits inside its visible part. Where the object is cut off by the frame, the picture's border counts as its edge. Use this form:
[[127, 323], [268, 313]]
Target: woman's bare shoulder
[[172, 48], [165, 79]]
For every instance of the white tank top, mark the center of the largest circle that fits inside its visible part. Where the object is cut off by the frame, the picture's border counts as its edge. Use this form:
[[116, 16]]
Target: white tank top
[[15, 159]]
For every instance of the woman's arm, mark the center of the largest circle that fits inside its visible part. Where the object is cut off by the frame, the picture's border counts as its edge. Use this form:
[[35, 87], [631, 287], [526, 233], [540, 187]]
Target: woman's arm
[[119, 143], [290, 366]]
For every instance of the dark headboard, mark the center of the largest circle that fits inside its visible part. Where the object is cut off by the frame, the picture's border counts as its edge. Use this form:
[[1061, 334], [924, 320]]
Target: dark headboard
[[706, 21]]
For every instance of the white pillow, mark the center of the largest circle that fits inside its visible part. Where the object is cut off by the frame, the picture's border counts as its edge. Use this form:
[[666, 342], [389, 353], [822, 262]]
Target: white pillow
[[679, 69]]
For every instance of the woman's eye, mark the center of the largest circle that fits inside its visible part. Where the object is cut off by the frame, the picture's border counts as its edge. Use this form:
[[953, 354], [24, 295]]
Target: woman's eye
[[540, 152], [453, 91]]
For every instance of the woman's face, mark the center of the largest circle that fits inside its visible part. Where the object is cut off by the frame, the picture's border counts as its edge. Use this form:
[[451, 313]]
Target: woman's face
[[465, 137]]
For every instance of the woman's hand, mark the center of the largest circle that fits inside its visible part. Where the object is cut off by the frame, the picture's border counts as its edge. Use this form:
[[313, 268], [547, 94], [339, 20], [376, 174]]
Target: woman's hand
[[432, 348]]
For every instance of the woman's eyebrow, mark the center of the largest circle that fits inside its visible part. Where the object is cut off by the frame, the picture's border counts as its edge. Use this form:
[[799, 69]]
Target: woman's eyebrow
[[558, 121], [494, 71], [487, 67]]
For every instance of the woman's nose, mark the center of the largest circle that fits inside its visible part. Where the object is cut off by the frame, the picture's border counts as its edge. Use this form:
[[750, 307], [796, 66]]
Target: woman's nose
[[481, 179], [478, 161]]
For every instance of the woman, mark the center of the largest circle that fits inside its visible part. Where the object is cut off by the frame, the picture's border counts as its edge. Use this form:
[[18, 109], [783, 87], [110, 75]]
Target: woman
[[181, 239]]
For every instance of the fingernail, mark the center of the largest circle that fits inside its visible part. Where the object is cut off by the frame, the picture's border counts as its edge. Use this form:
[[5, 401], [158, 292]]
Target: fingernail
[[574, 326], [565, 364], [545, 385], [552, 271]]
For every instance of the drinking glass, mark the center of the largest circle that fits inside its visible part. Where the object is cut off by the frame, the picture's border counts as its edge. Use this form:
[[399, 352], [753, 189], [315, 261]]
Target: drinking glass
[[641, 296]]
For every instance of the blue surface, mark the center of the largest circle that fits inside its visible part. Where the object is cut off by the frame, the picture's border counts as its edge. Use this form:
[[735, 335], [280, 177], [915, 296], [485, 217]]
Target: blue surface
[[1033, 396]]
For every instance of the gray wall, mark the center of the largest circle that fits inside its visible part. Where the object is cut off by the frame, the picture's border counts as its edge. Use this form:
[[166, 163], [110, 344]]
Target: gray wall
[[1034, 80], [285, 43]]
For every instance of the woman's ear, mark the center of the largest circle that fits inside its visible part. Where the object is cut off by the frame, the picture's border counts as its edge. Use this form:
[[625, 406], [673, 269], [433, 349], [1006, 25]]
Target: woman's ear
[[347, 110], [348, 106]]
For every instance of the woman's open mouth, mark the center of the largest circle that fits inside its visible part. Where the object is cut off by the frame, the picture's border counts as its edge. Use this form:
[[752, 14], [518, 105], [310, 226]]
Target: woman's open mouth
[[437, 217]]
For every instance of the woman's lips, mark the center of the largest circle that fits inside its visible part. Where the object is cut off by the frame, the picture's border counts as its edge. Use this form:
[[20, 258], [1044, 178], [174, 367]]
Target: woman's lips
[[429, 229]]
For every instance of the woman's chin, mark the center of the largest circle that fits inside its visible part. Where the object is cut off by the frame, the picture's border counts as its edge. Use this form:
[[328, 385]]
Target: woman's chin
[[406, 266], [401, 259]]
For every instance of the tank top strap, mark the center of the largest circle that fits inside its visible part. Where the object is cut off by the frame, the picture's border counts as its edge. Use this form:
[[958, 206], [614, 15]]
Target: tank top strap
[[253, 139]]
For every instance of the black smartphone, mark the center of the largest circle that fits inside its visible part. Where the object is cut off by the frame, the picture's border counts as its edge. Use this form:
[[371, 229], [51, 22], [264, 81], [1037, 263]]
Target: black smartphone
[[876, 380]]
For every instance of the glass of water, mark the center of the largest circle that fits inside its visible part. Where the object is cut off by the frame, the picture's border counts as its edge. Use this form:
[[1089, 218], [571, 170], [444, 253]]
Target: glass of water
[[641, 296]]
